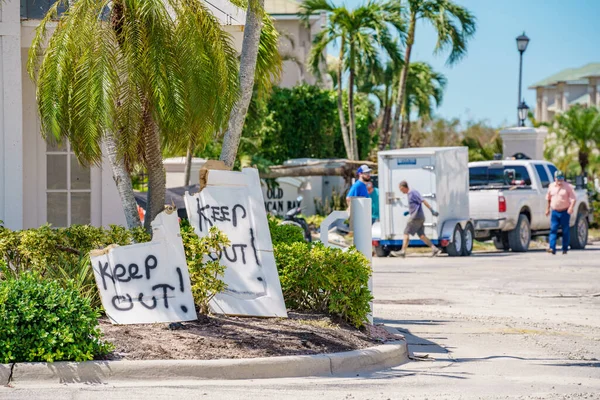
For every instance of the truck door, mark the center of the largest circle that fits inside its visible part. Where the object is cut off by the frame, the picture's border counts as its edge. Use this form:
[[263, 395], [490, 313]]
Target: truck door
[[419, 173]]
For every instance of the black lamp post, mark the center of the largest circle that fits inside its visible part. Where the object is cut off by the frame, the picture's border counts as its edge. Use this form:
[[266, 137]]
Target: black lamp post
[[522, 42], [523, 112]]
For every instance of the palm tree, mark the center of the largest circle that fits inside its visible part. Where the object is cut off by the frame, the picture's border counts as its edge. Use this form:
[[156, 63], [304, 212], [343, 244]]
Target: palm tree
[[141, 76], [361, 33], [259, 52], [424, 91], [579, 127], [268, 66], [454, 25]]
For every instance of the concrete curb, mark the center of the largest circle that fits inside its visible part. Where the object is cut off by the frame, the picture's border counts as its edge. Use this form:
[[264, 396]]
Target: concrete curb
[[351, 362]]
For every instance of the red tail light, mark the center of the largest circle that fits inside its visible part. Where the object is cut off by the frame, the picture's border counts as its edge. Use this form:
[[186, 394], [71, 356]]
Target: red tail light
[[501, 204]]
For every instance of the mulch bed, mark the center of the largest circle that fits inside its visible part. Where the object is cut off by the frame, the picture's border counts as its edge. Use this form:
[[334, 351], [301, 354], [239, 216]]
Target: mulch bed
[[215, 337]]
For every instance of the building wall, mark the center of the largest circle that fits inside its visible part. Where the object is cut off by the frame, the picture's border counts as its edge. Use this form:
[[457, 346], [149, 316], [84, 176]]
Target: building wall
[[11, 145], [83, 195]]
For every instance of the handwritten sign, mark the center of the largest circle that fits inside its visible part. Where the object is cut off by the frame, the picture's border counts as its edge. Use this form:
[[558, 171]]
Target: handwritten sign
[[146, 282], [233, 202]]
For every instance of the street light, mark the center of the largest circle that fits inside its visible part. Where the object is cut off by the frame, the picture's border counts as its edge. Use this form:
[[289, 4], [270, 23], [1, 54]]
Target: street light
[[522, 42], [523, 112]]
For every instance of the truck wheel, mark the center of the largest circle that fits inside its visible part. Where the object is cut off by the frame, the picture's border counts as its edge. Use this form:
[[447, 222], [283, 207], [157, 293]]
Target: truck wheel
[[519, 238], [501, 242], [455, 248], [381, 252], [468, 235], [579, 232]]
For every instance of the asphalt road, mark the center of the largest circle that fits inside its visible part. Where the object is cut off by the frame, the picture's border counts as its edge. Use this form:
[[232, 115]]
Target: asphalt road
[[490, 326]]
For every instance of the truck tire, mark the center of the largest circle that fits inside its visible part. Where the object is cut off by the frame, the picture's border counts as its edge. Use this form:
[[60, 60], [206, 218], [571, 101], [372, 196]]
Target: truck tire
[[579, 232], [455, 248], [519, 238], [469, 238], [501, 242], [381, 252]]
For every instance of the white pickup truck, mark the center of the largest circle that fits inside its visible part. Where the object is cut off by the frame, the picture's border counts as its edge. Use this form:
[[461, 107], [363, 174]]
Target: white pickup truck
[[508, 203]]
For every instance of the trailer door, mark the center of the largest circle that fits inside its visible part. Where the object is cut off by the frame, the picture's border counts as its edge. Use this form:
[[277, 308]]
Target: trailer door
[[419, 172]]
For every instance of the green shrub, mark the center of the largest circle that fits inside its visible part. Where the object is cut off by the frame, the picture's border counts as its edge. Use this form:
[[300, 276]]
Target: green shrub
[[42, 321], [318, 278], [286, 234], [205, 271]]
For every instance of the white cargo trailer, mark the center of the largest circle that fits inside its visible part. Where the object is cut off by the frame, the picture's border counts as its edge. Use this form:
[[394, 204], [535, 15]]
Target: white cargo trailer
[[441, 175]]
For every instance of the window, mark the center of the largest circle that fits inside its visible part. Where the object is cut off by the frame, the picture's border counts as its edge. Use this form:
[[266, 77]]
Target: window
[[495, 176], [541, 170], [37, 9], [478, 176], [68, 187], [552, 169]]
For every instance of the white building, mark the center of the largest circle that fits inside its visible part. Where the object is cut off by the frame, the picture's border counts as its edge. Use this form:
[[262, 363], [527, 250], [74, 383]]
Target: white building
[[39, 182], [295, 41], [558, 92]]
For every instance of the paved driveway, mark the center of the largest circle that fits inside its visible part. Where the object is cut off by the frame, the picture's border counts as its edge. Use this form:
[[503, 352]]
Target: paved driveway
[[494, 325]]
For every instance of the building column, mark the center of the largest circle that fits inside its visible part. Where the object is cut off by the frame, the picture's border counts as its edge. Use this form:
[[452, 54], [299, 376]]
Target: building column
[[538, 104], [561, 97], [11, 116], [544, 117], [592, 89]]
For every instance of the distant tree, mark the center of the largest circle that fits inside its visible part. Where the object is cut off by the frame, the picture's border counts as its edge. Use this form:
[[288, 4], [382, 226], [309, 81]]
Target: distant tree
[[579, 127], [454, 26], [361, 33]]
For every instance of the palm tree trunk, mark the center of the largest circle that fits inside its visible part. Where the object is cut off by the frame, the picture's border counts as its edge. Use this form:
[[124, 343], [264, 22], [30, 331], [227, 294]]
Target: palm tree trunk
[[406, 131], [403, 78], [123, 181], [155, 203], [188, 164], [584, 160], [385, 126], [351, 112], [340, 98], [231, 141]]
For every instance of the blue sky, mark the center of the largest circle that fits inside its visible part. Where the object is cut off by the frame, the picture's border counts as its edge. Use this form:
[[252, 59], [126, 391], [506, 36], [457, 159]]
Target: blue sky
[[563, 33]]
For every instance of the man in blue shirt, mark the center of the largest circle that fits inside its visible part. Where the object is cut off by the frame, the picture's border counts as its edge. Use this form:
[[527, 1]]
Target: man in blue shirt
[[359, 188], [416, 220]]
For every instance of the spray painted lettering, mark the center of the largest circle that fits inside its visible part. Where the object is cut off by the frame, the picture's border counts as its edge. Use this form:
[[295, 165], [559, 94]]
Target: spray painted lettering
[[233, 202], [147, 282]]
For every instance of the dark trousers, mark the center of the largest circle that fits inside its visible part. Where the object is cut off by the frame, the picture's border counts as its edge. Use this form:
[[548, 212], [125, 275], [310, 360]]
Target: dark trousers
[[559, 219]]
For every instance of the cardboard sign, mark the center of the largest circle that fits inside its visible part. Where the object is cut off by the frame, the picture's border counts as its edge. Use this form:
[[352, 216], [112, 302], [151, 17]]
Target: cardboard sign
[[147, 282], [233, 202]]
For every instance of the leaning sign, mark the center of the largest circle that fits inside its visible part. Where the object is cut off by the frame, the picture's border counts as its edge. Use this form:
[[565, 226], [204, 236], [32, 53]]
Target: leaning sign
[[146, 282], [233, 202]]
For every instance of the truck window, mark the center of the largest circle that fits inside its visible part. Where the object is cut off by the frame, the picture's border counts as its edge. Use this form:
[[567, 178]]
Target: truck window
[[478, 176], [552, 169], [543, 175], [484, 176]]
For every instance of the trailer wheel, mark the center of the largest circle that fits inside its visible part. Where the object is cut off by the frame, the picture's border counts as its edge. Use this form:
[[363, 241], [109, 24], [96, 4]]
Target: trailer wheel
[[579, 232], [468, 235], [455, 248], [381, 252], [520, 237]]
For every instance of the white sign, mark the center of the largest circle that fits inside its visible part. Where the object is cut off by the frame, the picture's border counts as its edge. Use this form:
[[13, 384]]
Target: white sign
[[147, 282], [233, 202]]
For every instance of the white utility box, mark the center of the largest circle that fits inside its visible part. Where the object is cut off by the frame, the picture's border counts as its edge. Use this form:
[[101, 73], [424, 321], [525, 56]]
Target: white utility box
[[441, 175]]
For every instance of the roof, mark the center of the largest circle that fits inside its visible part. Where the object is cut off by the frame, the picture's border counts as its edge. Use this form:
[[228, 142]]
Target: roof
[[282, 6], [572, 75]]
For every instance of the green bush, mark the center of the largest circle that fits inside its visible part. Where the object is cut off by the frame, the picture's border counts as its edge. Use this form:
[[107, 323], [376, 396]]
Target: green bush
[[284, 234], [318, 278], [205, 272], [42, 321], [62, 255]]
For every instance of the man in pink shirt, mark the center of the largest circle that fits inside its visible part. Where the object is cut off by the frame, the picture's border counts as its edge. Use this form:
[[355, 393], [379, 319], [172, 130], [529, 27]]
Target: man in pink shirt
[[561, 199]]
